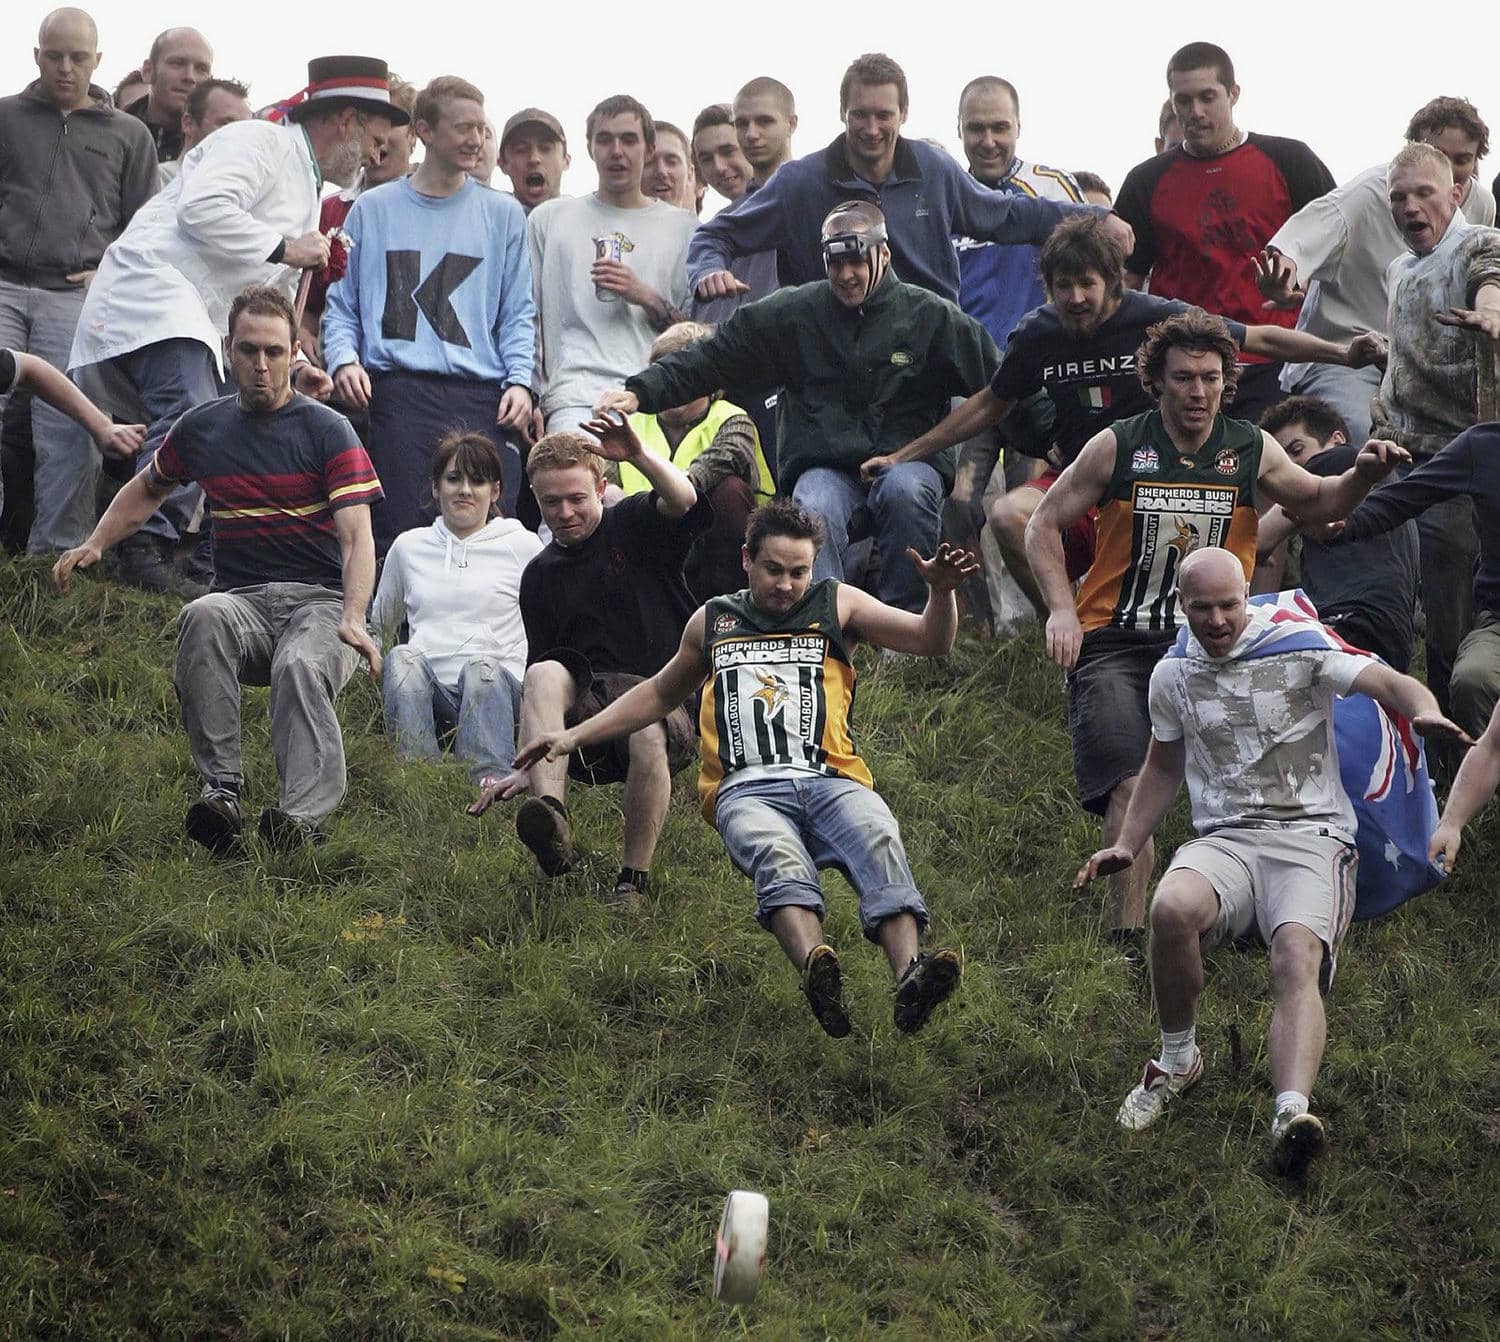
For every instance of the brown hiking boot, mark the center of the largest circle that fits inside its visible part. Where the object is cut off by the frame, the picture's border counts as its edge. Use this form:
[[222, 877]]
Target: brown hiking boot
[[823, 986], [542, 825]]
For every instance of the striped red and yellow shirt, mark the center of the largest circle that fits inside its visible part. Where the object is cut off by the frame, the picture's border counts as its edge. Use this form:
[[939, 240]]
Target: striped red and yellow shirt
[[273, 481]]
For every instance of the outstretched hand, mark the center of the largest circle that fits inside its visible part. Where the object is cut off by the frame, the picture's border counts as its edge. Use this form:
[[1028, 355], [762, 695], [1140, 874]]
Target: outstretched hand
[[499, 789], [1368, 349], [1436, 725], [947, 569], [1484, 320], [1443, 850], [122, 441], [1276, 278], [1378, 458], [354, 633], [617, 440], [1105, 862], [80, 556]]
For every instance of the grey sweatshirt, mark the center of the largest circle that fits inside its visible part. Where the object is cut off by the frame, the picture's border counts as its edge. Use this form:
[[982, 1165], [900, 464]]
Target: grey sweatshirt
[[69, 183]]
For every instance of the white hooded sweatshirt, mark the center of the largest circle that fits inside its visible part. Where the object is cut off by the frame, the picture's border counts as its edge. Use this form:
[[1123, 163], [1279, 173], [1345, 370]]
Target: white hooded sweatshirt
[[460, 597]]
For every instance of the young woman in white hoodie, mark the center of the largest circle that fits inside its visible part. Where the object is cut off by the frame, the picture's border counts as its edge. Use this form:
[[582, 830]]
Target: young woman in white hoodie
[[457, 584]]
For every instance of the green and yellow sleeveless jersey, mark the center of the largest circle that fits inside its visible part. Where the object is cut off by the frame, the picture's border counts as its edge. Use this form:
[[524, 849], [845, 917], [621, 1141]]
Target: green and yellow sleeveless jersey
[[780, 693]]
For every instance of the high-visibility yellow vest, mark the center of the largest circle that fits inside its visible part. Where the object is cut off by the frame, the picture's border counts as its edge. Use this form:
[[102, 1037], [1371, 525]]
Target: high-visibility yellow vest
[[649, 431]]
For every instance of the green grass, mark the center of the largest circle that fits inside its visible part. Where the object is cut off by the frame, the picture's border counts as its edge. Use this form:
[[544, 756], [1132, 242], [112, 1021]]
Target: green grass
[[401, 1087]]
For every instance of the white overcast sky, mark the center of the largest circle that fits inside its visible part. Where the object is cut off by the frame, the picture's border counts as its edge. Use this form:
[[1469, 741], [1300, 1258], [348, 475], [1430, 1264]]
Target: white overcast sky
[[1091, 75]]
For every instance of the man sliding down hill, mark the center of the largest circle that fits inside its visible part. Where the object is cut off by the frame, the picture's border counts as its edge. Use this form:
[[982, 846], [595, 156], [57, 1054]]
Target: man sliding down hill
[[1243, 708], [781, 781]]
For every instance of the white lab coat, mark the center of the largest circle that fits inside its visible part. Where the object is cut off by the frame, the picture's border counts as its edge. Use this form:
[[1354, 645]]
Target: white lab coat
[[192, 247]]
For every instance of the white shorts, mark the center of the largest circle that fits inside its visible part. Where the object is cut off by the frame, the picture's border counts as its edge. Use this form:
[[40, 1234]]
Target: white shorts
[[1267, 877]]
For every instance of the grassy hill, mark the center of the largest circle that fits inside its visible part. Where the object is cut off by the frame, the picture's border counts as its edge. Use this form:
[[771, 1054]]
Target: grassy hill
[[401, 1087]]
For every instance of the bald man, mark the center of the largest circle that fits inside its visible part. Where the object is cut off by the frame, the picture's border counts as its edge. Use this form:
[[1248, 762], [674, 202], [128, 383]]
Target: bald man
[[180, 60], [73, 172], [1242, 707]]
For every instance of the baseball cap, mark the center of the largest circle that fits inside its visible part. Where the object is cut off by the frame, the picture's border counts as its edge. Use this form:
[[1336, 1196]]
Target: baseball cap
[[533, 116]]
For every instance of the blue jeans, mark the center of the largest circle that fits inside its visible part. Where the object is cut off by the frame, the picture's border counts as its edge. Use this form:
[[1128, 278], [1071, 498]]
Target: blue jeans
[[170, 377], [904, 506], [409, 414], [41, 322], [781, 832], [481, 711]]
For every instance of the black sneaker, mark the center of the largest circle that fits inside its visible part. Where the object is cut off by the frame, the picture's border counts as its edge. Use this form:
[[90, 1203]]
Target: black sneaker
[[140, 562], [823, 986], [287, 833], [196, 563], [928, 982], [216, 819], [542, 825]]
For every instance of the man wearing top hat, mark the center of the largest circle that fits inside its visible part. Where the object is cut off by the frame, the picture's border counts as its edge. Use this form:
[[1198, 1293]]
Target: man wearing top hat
[[243, 211]]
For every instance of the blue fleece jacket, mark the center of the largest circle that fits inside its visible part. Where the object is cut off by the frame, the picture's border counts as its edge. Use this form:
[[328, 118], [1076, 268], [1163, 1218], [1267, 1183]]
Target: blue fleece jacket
[[928, 200], [435, 285]]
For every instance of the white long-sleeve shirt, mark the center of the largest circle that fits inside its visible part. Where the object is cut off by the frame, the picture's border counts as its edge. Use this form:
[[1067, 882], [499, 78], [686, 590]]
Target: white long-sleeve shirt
[[462, 598], [175, 271]]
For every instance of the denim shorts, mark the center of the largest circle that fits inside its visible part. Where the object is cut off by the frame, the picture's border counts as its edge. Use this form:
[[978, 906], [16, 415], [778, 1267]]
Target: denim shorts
[[1108, 716], [781, 832]]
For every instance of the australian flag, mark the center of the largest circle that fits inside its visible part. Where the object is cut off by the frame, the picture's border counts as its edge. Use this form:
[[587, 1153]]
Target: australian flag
[[1381, 764]]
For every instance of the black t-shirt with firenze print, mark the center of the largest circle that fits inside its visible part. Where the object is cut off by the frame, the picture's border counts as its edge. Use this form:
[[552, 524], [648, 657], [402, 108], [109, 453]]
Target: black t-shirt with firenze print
[[1199, 221], [617, 599]]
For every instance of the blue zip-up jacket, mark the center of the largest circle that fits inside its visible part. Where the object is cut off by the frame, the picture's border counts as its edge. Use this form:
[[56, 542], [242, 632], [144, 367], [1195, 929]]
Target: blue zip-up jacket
[[1000, 285], [928, 200], [435, 285]]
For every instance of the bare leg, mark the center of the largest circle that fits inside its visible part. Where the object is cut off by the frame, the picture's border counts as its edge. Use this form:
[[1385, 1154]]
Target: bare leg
[[1008, 517], [1298, 1026], [648, 790], [899, 939], [1127, 889], [1184, 908], [546, 696], [797, 930]]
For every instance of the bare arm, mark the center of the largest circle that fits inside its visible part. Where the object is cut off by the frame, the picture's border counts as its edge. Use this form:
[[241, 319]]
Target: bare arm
[[1313, 498], [638, 707], [1475, 784], [1408, 697], [675, 493], [1280, 342], [1077, 490], [1276, 528], [114, 440], [357, 555], [1155, 788], [981, 410], [929, 634], [126, 515]]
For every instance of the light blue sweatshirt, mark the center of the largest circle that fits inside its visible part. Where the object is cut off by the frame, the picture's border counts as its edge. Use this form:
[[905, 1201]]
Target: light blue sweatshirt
[[434, 285]]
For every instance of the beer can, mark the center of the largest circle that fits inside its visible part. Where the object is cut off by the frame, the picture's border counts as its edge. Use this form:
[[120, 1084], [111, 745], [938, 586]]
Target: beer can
[[608, 249]]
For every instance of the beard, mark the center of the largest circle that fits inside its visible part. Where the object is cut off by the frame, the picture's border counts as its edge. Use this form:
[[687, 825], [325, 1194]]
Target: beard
[[345, 158]]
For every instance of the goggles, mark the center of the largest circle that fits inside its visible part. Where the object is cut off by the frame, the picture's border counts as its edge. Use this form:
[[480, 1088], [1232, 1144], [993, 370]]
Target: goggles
[[851, 244]]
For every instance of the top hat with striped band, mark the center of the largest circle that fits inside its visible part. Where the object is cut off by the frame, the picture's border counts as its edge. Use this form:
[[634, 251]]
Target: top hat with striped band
[[358, 81]]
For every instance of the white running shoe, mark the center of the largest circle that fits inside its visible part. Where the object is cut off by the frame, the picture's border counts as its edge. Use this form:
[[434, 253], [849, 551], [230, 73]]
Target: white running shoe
[[1144, 1105], [1296, 1141]]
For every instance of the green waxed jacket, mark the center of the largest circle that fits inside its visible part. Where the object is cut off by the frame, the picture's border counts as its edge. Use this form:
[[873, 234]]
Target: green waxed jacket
[[854, 383]]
